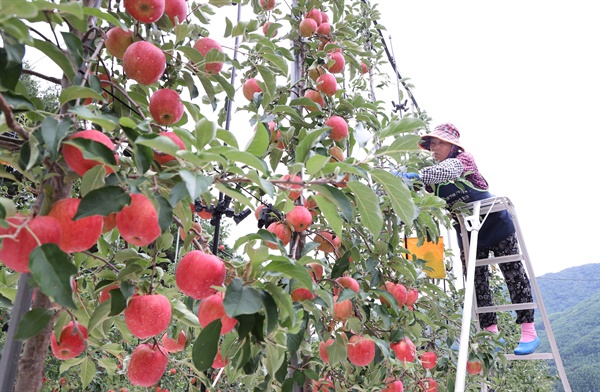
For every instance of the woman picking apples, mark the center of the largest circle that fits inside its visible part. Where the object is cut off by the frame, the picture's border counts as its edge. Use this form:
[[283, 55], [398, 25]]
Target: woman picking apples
[[496, 235]]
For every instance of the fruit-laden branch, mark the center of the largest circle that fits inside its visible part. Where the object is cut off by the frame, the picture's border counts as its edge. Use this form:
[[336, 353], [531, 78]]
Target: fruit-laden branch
[[11, 122]]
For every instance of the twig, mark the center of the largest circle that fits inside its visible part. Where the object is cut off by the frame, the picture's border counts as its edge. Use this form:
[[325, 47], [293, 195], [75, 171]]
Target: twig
[[12, 124], [41, 76]]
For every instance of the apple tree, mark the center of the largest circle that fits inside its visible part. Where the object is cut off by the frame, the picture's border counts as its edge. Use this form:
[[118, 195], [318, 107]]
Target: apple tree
[[173, 111]]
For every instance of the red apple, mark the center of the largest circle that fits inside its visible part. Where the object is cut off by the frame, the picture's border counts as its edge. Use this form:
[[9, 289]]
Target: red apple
[[265, 30], [105, 293], [197, 272], [335, 62], [342, 310], [147, 364], [315, 14], [109, 222], [219, 363], [339, 128], [258, 210], [308, 27], [204, 45], [145, 11], [474, 367], [282, 231], [295, 182], [117, 41], [311, 205], [14, 252], [316, 270], [165, 106], [411, 297], [405, 350], [144, 62], [163, 158], [361, 350], [74, 157], [138, 222], [196, 230], [324, 17], [147, 315], [328, 241], [267, 4], [211, 308], [250, 88], [176, 8], [327, 84], [316, 97], [428, 359], [323, 349], [398, 291], [393, 386], [324, 29], [76, 235], [302, 294], [72, 341], [429, 385], [346, 282], [363, 68], [172, 345], [300, 218]]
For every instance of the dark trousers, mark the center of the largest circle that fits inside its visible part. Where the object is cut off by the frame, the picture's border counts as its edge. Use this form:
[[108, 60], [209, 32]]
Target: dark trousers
[[516, 279]]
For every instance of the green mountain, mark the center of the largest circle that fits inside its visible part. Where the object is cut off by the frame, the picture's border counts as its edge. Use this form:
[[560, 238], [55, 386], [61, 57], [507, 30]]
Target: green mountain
[[572, 300]]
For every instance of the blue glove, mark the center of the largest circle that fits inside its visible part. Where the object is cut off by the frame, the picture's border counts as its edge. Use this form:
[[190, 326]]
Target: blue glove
[[411, 176]]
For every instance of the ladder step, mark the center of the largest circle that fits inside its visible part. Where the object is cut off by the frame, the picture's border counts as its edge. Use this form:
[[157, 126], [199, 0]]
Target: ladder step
[[506, 308], [498, 260], [513, 357]]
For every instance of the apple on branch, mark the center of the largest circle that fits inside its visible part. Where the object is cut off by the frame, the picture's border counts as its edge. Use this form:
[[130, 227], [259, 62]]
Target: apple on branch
[[211, 308], [144, 62], [14, 252], [147, 364], [361, 350], [74, 156], [147, 315], [145, 11], [165, 106], [76, 235], [197, 271], [138, 222], [117, 41], [71, 342], [205, 45]]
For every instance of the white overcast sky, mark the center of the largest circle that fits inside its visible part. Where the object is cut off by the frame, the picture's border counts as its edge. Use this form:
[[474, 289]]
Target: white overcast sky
[[521, 81]]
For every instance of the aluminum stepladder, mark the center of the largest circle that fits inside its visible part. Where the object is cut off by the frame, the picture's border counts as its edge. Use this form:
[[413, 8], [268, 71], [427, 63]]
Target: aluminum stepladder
[[472, 223]]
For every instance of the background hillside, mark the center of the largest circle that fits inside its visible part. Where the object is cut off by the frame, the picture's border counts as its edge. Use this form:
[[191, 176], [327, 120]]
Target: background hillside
[[572, 300]]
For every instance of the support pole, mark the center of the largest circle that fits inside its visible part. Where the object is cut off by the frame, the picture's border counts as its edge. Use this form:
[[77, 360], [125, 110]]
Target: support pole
[[473, 225], [9, 361]]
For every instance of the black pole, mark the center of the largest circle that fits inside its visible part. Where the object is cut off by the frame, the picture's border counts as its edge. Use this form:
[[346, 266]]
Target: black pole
[[9, 362]]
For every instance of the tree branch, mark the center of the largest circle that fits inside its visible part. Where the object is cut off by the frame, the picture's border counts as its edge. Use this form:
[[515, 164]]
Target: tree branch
[[41, 76], [12, 124]]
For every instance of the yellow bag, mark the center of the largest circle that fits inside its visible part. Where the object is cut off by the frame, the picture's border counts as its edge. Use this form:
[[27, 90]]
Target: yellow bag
[[432, 253]]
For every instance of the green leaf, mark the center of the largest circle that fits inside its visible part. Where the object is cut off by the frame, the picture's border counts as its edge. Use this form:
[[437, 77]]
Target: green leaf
[[74, 44], [87, 372], [275, 355], [100, 314], [270, 310], [33, 322], [269, 84], [337, 351], [307, 143], [52, 269], [74, 92], [368, 206], [205, 131], [248, 159], [118, 302], [11, 61], [240, 299], [195, 183], [165, 213], [53, 132], [401, 145], [102, 201], [184, 315], [332, 216], [94, 150], [69, 363], [291, 269], [161, 143], [93, 179], [405, 125], [105, 121], [99, 13], [399, 195], [337, 197], [283, 300], [227, 137], [206, 346], [316, 163], [56, 55], [234, 194], [259, 142]]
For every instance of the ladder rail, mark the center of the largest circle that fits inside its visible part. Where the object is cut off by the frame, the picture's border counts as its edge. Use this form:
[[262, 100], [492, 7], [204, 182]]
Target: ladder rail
[[486, 207], [540, 302]]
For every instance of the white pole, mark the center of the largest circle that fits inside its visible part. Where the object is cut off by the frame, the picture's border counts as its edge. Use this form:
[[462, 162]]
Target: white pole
[[473, 226]]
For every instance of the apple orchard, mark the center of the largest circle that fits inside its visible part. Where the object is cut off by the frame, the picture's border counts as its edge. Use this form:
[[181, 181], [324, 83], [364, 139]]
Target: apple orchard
[[322, 296]]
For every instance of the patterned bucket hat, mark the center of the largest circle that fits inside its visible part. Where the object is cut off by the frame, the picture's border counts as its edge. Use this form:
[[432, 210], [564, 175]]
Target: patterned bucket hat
[[445, 132]]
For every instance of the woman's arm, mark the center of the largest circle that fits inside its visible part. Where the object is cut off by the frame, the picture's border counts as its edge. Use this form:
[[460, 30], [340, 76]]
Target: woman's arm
[[444, 171]]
